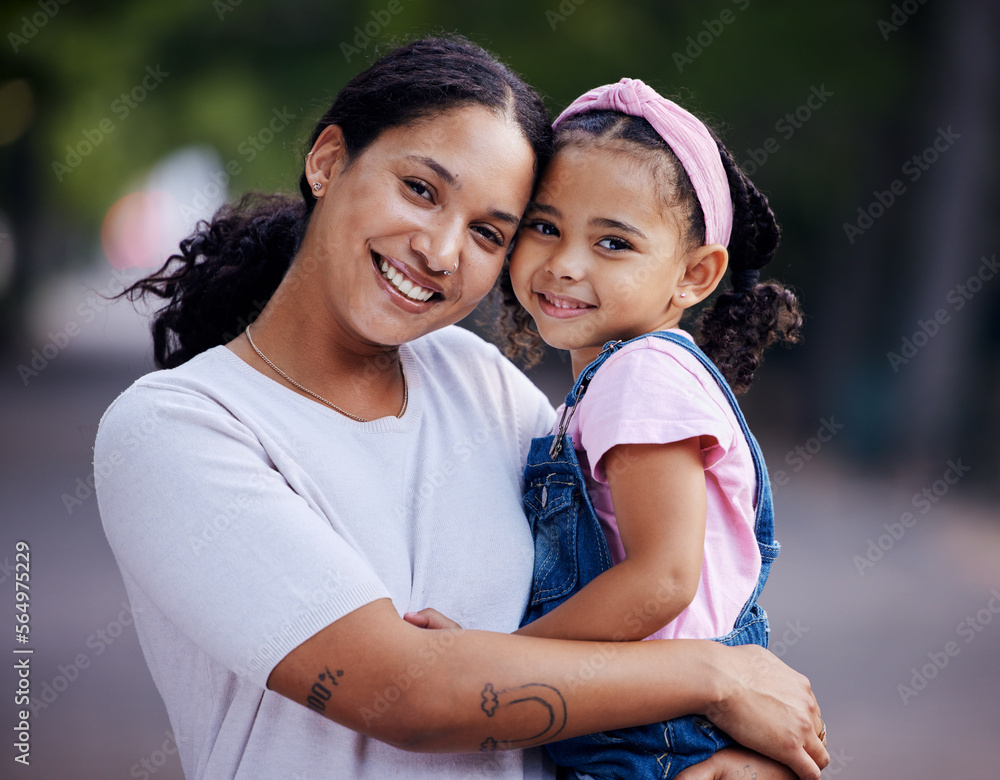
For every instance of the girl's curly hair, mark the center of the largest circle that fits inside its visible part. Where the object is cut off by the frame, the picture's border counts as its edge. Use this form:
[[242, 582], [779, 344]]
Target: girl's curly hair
[[744, 320]]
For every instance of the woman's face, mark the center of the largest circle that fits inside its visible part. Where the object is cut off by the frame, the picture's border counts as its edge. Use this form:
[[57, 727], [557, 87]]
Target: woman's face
[[447, 190]]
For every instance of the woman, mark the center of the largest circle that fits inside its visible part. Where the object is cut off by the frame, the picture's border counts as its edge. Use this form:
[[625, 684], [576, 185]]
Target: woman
[[348, 457]]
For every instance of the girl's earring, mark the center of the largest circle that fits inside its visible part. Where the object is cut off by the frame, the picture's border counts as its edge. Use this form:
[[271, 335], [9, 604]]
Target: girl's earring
[[683, 295], [317, 186]]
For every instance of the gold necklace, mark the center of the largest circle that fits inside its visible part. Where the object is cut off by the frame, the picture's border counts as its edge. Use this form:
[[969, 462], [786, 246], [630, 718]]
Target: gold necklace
[[317, 396]]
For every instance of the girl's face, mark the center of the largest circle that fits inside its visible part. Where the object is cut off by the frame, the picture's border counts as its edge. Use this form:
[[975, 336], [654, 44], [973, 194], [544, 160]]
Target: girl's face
[[420, 199], [597, 259]]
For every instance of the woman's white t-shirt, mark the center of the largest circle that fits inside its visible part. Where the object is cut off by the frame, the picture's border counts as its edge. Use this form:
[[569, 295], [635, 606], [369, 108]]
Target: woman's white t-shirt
[[245, 518]]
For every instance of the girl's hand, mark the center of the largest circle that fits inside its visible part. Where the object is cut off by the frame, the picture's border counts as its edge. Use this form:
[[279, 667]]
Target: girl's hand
[[429, 618], [737, 764]]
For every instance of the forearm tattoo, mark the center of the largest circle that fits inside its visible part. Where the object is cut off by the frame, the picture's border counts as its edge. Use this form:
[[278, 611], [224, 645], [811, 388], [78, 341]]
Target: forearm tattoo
[[540, 706], [321, 691]]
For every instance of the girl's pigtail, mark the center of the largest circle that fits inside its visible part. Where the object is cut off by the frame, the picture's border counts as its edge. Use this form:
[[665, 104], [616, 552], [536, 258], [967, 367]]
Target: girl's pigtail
[[753, 315], [513, 327]]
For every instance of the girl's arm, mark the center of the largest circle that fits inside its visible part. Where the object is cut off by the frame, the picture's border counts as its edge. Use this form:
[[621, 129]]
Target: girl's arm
[[737, 764], [658, 492], [461, 691]]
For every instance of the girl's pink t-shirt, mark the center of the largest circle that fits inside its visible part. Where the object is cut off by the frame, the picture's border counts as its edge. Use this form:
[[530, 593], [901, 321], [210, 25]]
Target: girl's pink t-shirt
[[653, 391]]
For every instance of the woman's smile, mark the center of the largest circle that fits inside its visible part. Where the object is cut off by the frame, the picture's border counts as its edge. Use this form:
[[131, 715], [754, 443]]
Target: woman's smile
[[405, 283], [417, 224]]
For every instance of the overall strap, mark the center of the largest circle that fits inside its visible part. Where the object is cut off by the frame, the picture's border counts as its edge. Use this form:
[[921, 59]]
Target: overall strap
[[583, 381], [579, 388]]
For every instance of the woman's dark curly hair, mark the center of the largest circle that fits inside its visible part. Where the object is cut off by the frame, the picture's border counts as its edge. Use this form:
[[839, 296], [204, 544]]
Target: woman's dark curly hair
[[744, 320], [225, 273]]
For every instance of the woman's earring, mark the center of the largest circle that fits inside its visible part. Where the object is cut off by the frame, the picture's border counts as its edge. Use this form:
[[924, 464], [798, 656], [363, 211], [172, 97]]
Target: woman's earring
[[683, 295], [317, 186]]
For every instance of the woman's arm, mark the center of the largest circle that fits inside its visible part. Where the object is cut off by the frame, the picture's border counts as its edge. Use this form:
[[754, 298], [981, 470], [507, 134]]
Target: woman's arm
[[461, 691], [658, 492]]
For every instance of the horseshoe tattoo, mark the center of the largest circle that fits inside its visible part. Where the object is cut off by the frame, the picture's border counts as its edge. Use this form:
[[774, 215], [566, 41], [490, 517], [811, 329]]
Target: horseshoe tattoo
[[534, 702]]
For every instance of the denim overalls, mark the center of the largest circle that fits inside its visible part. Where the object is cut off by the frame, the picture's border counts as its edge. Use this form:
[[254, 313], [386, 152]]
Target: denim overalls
[[571, 549]]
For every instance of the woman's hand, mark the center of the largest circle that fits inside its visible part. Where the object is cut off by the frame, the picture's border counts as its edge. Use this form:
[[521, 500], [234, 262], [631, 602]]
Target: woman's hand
[[737, 764], [429, 618], [769, 707]]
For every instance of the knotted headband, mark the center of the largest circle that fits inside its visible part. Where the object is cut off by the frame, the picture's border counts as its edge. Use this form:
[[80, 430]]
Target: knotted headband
[[684, 133]]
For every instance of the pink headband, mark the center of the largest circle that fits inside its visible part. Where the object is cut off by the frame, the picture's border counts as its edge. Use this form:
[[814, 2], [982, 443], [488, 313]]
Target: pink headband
[[686, 135]]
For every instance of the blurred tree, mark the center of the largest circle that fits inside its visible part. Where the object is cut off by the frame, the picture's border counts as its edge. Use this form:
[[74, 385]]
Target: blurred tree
[[824, 103]]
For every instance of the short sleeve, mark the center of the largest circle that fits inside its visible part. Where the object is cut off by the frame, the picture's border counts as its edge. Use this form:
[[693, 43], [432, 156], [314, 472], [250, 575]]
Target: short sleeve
[[652, 395], [202, 522]]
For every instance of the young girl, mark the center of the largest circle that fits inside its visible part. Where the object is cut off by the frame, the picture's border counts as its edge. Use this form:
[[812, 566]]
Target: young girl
[[650, 504]]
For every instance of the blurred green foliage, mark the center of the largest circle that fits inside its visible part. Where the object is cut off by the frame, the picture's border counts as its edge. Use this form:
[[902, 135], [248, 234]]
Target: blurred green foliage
[[889, 73], [230, 64]]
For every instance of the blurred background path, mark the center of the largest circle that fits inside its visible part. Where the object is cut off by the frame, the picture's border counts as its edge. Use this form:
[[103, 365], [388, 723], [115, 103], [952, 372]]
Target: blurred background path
[[857, 636]]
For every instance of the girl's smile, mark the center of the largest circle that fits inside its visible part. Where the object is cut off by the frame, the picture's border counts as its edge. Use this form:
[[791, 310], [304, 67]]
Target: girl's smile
[[596, 260], [561, 306]]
